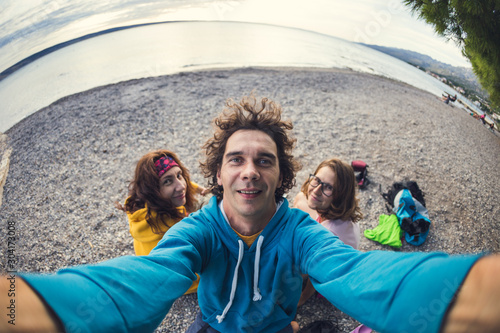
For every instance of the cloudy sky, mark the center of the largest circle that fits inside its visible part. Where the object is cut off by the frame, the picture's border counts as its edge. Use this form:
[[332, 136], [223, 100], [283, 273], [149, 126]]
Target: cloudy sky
[[381, 22], [27, 27]]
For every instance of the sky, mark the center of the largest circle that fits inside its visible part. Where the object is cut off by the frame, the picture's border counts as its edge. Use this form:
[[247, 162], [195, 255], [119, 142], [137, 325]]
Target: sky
[[380, 22]]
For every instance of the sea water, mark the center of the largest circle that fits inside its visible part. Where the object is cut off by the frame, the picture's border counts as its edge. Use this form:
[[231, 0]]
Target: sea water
[[167, 48]]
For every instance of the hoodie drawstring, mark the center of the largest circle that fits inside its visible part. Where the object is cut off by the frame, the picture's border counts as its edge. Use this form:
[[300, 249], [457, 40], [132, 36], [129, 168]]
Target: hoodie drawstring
[[256, 292], [221, 317]]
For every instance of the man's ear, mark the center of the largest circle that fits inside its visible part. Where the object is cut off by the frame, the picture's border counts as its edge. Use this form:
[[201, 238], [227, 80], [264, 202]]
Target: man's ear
[[219, 179], [280, 181]]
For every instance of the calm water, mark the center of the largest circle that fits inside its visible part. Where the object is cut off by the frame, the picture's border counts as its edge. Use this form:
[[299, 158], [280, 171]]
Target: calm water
[[169, 48]]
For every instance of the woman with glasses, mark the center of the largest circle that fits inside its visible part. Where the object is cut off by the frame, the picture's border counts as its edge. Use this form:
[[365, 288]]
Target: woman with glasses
[[329, 196]]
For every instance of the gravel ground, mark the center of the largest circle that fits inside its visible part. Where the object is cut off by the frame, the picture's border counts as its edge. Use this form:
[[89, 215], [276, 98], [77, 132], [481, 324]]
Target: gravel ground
[[71, 160]]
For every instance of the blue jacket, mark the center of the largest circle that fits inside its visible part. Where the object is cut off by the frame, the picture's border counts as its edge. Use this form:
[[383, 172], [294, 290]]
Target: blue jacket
[[255, 289]]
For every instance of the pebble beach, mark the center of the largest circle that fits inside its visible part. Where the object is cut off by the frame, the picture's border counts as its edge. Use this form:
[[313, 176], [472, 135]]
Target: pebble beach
[[69, 162]]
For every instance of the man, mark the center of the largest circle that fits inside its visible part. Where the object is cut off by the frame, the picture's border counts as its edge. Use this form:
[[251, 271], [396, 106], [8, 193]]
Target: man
[[250, 250]]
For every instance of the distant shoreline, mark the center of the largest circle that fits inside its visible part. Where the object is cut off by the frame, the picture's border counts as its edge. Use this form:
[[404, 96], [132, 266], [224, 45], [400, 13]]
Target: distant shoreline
[[134, 53], [38, 55]]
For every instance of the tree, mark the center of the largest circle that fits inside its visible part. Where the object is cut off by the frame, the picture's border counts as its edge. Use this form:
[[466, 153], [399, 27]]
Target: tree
[[475, 26]]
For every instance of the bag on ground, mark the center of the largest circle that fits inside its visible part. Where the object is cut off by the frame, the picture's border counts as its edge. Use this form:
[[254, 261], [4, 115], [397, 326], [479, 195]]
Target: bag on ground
[[361, 171], [413, 217]]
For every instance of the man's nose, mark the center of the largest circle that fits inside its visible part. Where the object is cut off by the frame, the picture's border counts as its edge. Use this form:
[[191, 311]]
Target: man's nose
[[250, 171]]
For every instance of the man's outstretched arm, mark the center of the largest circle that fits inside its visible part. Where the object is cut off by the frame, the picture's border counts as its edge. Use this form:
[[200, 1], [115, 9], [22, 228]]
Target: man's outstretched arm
[[476, 308], [477, 305]]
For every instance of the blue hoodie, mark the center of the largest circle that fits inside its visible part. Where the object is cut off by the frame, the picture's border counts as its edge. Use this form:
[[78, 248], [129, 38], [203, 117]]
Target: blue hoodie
[[255, 289]]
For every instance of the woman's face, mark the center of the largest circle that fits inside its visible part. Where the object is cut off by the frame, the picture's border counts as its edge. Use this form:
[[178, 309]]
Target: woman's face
[[173, 186], [316, 199]]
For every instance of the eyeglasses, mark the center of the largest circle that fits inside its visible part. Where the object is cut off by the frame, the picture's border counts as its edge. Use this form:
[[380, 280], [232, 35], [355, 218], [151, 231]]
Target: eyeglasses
[[326, 188]]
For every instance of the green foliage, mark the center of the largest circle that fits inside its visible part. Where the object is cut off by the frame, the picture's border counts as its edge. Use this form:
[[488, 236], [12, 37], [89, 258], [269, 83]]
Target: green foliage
[[475, 26]]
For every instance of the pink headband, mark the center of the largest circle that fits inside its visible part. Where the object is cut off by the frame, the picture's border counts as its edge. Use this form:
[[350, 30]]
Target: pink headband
[[164, 164]]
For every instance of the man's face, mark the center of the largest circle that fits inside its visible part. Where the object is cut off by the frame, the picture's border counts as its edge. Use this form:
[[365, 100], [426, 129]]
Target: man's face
[[250, 175]]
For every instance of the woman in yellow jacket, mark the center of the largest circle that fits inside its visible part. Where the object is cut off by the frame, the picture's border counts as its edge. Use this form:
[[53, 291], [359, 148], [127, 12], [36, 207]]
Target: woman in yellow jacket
[[160, 195]]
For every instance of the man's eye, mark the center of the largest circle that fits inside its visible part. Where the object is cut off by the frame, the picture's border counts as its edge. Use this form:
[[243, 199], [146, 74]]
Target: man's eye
[[264, 162]]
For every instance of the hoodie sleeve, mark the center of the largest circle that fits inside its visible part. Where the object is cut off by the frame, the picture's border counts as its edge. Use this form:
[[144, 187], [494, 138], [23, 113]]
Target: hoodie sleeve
[[388, 291], [126, 294]]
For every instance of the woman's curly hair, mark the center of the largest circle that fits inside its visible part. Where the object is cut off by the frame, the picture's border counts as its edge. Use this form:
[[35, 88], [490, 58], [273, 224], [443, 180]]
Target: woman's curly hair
[[345, 204], [250, 114], [144, 190]]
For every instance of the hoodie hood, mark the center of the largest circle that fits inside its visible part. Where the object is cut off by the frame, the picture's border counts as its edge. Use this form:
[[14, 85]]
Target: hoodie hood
[[215, 216]]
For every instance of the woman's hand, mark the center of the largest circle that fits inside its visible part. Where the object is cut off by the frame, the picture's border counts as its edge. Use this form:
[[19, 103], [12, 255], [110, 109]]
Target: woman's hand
[[202, 190]]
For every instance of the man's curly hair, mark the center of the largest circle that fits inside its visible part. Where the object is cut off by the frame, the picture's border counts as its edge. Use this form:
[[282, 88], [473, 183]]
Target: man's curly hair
[[250, 114]]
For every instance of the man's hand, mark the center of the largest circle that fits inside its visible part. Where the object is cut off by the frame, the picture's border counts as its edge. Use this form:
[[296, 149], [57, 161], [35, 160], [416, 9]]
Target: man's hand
[[25, 311], [477, 306]]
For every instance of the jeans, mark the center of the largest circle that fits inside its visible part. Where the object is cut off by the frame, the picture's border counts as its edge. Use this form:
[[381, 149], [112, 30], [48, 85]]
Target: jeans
[[199, 326]]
